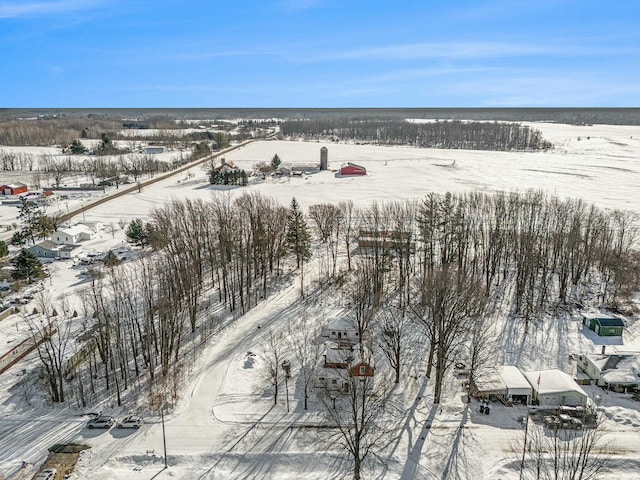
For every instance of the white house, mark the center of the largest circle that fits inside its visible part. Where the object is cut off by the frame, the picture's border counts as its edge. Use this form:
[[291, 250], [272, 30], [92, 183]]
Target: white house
[[341, 329], [72, 235], [552, 388]]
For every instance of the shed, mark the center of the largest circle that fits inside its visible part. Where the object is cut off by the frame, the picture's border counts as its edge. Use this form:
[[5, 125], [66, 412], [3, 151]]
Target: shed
[[13, 188], [154, 149], [552, 388], [604, 325], [352, 169]]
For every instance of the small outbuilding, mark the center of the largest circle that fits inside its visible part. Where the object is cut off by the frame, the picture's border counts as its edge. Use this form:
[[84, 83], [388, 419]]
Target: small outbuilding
[[154, 149], [352, 169], [604, 325], [13, 188]]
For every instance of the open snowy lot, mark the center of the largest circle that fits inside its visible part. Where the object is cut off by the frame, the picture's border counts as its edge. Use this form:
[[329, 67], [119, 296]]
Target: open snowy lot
[[224, 428]]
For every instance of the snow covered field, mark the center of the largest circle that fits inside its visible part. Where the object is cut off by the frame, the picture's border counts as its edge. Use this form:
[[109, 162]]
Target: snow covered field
[[223, 429]]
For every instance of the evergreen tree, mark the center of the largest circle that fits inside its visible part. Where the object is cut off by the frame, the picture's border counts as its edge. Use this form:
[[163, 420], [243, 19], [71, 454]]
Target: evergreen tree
[[36, 223], [4, 250], [221, 140], [110, 260], [18, 239], [77, 147], [275, 161], [298, 238], [27, 266], [137, 233]]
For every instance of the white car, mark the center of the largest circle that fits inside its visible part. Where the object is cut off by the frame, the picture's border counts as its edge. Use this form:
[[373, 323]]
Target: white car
[[48, 474], [103, 421], [132, 421]]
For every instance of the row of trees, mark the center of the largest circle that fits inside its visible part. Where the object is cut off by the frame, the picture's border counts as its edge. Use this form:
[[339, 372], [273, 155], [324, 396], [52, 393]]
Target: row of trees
[[140, 316], [68, 130], [438, 134]]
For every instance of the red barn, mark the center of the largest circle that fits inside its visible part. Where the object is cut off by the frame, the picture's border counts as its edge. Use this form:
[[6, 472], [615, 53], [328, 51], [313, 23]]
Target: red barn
[[13, 188], [352, 169]]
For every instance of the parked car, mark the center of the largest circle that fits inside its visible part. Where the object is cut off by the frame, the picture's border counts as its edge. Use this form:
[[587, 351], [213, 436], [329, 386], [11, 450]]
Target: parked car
[[47, 474], [103, 421], [132, 421]]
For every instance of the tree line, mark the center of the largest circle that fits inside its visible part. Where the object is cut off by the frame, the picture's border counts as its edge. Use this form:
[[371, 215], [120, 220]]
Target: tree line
[[438, 134], [534, 251]]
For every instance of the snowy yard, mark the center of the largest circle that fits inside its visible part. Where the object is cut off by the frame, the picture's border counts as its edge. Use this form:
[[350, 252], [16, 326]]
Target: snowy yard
[[226, 427]]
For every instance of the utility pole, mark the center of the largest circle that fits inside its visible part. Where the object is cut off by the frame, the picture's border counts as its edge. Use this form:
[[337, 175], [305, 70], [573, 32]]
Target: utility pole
[[287, 368], [164, 438], [524, 447]]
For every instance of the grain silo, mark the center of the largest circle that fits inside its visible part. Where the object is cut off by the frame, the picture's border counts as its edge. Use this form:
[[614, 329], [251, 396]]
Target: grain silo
[[324, 158]]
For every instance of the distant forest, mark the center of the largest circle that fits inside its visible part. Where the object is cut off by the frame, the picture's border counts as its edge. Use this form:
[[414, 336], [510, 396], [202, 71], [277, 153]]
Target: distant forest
[[484, 128], [575, 116], [438, 134]]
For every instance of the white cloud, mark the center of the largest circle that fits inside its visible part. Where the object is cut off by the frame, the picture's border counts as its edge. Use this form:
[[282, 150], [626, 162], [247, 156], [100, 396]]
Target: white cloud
[[33, 9], [463, 50]]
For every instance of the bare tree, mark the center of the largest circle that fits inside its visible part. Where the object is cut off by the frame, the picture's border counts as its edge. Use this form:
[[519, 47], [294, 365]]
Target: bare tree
[[481, 348], [450, 301], [273, 352], [349, 221], [51, 333], [327, 219], [562, 454], [302, 341], [391, 337], [359, 416]]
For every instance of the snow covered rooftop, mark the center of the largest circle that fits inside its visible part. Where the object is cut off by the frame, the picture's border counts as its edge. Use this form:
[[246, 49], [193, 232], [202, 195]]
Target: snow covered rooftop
[[552, 381], [513, 377], [75, 230], [618, 369], [340, 323]]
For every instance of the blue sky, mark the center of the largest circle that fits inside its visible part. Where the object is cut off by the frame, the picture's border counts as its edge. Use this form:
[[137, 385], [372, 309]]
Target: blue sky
[[319, 53]]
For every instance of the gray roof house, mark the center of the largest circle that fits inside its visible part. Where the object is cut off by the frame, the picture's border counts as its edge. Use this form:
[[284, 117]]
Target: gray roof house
[[45, 249]]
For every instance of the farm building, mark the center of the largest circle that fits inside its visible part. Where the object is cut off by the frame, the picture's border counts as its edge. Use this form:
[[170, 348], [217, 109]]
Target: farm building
[[391, 241], [352, 169], [618, 372], [13, 188], [552, 388], [603, 325], [506, 384], [154, 149]]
